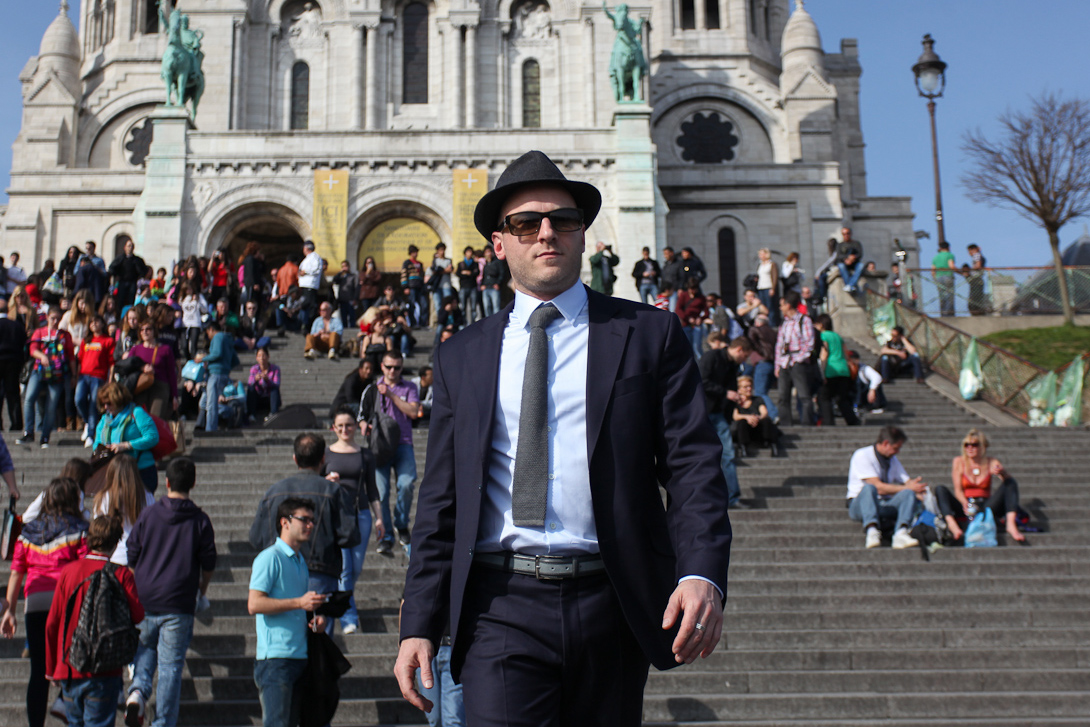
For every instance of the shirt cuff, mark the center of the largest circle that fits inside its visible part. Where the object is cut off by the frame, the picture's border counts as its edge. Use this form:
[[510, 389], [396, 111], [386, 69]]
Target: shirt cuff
[[707, 580]]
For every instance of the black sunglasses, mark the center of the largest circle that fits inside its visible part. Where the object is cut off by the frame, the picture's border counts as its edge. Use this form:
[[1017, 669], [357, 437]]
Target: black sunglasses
[[523, 224]]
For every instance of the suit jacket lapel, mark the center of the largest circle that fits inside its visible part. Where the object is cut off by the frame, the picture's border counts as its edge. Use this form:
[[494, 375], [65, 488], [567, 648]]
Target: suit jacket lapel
[[486, 369], [608, 336]]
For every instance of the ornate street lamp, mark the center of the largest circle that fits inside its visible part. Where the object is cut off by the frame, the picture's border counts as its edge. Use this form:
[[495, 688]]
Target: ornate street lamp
[[930, 74]]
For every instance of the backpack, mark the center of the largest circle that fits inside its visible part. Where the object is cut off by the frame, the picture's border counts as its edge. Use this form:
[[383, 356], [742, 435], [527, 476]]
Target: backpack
[[385, 431], [105, 638]]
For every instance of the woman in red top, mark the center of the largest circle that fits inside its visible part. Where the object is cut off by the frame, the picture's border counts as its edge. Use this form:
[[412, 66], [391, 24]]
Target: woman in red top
[[54, 368], [220, 275], [691, 308], [54, 539], [973, 472], [96, 359]]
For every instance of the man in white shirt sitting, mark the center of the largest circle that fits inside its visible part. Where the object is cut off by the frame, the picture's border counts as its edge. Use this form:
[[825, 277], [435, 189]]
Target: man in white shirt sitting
[[879, 489], [869, 395]]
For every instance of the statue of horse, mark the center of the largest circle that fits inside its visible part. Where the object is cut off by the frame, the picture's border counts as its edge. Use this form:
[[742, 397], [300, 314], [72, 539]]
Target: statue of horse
[[627, 64], [181, 69]]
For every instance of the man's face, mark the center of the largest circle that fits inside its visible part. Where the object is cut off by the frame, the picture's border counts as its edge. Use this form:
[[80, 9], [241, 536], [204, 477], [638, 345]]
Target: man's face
[[221, 307], [646, 254], [15, 258], [547, 263], [344, 267], [365, 370], [326, 310], [895, 336], [806, 292], [888, 449], [391, 369], [685, 255], [736, 354], [426, 378], [389, 292], [785, 310], [251, 309], [846, 233], [668, 254], [298, 528], [91, 248], [130, 246]]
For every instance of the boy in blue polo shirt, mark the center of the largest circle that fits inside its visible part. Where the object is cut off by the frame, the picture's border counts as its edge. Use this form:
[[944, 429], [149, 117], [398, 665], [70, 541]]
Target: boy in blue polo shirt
[[280, 600]]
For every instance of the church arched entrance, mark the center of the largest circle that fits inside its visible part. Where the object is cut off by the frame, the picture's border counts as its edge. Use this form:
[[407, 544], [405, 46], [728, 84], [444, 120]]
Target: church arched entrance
[[277, 230], [388, 242]]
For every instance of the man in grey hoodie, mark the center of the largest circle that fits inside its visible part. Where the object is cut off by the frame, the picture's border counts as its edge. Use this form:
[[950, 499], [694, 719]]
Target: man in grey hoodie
[[172, 551]]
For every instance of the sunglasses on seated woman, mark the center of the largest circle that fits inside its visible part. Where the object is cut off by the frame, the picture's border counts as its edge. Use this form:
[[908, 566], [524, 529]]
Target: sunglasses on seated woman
[[522, 224]]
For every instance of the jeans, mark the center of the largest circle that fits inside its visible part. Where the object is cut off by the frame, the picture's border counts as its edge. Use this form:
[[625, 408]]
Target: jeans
[[695, 334], [254, 401], [213, 390], [890, 366], [33, 389], [87, 400], [348, 314], [351, 565], [288, 323], [404, 464], [190, 343], [763, 373], [449, 711], [491, 300], [673, 302], [262, 342], [164, 640], [91, 702], [799, 375], [945, 285], [851, 276], [730, 471], [275, 680], [467, 299], [438, 296], [648, 292], [869, 510]]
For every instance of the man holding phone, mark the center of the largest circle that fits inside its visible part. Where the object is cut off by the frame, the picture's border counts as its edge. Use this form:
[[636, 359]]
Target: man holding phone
[[280, 600]]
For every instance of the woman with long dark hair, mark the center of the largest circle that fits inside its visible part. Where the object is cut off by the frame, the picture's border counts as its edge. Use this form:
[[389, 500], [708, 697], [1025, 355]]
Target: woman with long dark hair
[[124, 497], [48, 543]]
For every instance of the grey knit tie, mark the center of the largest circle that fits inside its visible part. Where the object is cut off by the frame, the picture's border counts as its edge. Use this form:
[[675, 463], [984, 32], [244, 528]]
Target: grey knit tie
[[530, 485]]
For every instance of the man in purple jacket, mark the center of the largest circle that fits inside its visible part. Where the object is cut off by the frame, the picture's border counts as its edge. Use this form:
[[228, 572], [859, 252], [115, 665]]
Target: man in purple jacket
[[172, 551]]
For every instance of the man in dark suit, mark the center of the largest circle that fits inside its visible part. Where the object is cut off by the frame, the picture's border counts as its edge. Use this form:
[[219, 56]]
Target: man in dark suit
[[541, 536]]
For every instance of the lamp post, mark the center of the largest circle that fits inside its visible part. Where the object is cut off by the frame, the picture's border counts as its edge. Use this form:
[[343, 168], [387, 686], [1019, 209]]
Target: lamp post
[[930, 74]]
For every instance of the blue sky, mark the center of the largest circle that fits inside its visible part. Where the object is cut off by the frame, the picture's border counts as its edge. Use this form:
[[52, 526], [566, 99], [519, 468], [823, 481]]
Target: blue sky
[[999, 53]]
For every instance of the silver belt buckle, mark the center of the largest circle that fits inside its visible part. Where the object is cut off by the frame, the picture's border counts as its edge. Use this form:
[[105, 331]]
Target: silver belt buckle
[[547, 559]]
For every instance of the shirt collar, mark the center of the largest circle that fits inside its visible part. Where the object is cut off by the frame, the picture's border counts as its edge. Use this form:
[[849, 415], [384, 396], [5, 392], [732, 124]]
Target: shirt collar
[[284, 547], [570, 303]]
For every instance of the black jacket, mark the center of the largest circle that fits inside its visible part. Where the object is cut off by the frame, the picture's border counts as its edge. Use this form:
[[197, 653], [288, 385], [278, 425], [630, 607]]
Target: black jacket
[[12, 340], [349, 394], [671, 273], [719, 374], [128, 269], [637, 272], [495, 273]]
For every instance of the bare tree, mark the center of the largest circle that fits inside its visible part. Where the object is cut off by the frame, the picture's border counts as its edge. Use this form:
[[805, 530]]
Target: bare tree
[[1039, 166]]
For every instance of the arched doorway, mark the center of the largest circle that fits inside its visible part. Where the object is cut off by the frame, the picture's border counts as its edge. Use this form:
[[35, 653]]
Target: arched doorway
[[728, 267], [388, 242], [278, 230]]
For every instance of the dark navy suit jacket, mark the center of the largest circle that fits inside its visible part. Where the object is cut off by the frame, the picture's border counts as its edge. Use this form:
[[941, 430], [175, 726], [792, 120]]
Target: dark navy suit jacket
[[646, 425]]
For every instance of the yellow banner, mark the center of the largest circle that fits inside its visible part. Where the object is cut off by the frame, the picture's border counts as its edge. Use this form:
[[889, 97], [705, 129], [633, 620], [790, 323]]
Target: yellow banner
[[389, 243], [330, 228], [469, 186]]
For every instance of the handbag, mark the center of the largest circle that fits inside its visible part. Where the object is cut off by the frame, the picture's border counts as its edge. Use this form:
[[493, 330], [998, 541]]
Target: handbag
[[177, 430], [97, 481], [167, 444], [54, 285], [10, 528], [194, 371]]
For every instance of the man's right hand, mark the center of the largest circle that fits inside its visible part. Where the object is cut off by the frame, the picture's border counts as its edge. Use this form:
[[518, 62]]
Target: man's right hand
[[311, 600], [917, 485], [415, 654]]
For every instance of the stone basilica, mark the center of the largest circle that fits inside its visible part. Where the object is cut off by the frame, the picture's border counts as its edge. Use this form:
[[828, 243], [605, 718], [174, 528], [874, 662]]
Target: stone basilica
[[370, 124]]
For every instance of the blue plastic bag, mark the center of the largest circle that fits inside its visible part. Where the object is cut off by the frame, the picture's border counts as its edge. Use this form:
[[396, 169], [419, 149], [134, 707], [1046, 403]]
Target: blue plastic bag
[[981, 531], [194, 371]]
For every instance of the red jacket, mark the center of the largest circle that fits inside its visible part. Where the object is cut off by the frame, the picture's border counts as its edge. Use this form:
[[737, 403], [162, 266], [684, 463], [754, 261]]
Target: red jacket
[[56, 643]]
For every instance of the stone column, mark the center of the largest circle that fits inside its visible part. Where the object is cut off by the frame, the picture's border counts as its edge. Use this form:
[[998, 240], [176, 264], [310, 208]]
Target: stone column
[[158, 213], [502, 119], [371, 73], [636, 188], [701, 14], [359, 32], [471, 76], [238, 82], [456, 83], [590, 91]]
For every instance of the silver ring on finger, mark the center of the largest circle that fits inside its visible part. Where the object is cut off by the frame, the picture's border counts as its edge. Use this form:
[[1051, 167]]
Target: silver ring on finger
[[700, 627]]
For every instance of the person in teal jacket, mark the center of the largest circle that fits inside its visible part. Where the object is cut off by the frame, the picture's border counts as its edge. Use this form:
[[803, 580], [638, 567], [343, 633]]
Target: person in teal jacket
[[220, 360], [127, 428]]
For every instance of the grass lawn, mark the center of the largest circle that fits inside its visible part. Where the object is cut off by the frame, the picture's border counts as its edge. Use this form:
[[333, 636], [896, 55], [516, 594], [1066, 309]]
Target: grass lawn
[[1047, 347]]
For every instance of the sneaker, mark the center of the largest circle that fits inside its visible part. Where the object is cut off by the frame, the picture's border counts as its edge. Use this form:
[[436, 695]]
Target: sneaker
[[45, 443], [385, 547], [902, 540], [879, 410], [86, 432], [874, 538], [309, 354], [134, 709], [27, 438], [333, 354], [403, 537], [88, 443], [350, 629], [59, 709]]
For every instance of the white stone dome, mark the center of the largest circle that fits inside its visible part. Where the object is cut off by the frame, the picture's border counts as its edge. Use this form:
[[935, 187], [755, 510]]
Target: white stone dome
[[60, 37], [801, 38]]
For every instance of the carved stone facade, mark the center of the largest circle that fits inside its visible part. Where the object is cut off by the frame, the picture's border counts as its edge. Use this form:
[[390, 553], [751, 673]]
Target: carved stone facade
[[750, 139]]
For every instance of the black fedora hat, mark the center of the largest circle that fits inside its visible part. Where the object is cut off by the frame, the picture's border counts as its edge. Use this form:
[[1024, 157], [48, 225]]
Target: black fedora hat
[[533, 167]]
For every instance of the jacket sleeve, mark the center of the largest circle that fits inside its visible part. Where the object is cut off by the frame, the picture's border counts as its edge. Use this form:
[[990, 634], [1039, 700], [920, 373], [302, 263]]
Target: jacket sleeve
[[207, 548], [260, 529], [147, 434], [215, 349], [133, 544]]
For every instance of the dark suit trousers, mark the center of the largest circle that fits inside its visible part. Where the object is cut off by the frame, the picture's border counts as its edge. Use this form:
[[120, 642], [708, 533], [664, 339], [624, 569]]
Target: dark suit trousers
[[548, 653]]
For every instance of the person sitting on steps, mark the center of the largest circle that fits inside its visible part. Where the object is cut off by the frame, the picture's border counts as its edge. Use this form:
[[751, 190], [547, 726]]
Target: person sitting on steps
[[972, 473], [879, 489]]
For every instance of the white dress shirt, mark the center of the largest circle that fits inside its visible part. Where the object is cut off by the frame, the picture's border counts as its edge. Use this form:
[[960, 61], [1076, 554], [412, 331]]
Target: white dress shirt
[[569, 518], [310, 271]]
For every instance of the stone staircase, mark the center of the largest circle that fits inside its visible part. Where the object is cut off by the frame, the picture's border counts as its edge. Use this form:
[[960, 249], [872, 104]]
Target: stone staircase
[[818, 631]]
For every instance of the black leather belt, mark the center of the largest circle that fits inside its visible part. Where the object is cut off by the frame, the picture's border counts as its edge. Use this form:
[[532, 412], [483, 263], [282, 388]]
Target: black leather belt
[[543, 567]]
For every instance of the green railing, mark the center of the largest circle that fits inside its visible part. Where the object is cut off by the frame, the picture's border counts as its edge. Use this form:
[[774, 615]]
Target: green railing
[[1006, 376]]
